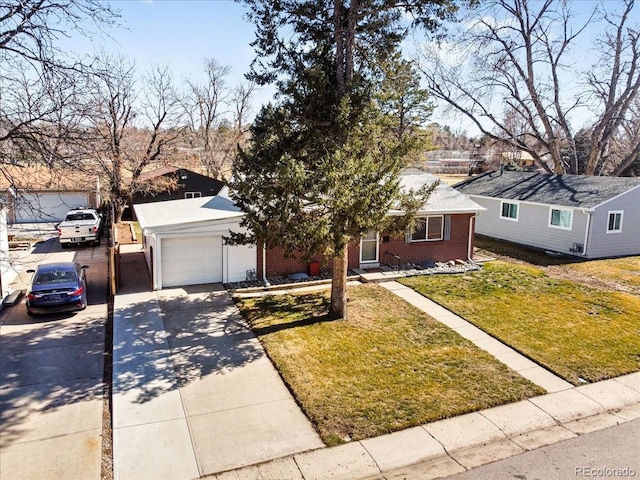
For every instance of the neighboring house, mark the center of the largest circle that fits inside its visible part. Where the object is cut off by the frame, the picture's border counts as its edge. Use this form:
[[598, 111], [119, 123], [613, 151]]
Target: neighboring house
[[184, 239], [37, 194], [175, 183], [7, 272], [587, 216], [188, 184]]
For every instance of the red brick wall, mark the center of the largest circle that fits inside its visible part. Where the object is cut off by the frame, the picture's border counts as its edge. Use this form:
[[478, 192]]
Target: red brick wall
[[438, 251]]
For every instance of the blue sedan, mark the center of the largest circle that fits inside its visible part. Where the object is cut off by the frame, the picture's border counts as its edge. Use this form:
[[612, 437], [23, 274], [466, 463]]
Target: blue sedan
[[57, 287]]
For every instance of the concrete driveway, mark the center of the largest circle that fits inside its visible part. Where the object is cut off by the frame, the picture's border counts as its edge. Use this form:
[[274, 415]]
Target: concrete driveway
[[51, 376]]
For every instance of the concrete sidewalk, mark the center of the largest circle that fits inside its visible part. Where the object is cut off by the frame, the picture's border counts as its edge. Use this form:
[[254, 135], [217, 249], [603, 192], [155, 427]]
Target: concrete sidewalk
[[196, 396]]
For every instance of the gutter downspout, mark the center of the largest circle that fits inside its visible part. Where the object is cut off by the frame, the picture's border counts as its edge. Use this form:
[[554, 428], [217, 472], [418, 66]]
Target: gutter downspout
[[589, 214], [264, 265]]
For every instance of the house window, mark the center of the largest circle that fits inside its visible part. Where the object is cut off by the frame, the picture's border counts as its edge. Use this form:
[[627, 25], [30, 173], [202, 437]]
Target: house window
[[509, 211], [428, 229], [192, 194], [369, 247], [560, 218], [615, 222]]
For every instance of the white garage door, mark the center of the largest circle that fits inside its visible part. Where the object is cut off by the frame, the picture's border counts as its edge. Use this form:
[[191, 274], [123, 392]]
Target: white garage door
[[191, 260], [47, 207]]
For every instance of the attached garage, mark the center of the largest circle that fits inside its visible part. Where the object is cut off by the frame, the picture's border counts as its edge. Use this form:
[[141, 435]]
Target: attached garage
[[191, 260], [185, 242]]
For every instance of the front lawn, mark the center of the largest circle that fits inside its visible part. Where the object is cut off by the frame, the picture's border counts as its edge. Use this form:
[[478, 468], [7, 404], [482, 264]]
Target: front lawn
[[387, 368], [573, 329]]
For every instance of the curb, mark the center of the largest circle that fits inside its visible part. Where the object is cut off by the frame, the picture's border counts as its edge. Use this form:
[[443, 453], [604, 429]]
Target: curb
[[457, 444]]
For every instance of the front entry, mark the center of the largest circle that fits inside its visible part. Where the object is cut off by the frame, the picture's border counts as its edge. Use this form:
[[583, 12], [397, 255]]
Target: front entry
[[369, 250]]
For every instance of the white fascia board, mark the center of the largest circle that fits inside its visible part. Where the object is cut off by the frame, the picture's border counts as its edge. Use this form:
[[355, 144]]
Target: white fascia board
[[537, 204], [592, 209]]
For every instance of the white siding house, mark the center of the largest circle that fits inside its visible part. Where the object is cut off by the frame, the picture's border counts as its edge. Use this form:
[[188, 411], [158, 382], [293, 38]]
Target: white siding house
[[36, 194], [586, 216], [184, 242]]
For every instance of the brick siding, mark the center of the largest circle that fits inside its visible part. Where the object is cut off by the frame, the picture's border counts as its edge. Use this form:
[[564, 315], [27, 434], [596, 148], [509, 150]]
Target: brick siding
[[279, 264]]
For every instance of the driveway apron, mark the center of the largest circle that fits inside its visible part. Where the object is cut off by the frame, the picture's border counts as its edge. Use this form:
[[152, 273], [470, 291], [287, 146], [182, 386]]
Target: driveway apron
[[194, 392]]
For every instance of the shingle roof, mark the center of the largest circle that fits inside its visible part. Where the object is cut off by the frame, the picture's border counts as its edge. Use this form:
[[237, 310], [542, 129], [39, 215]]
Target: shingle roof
[[579, 191], [444, 199], [36, 178]]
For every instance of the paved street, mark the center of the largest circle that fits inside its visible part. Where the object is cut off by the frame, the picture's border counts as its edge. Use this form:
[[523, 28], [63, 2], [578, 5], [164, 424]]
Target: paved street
[[51, 377], [610, 453]]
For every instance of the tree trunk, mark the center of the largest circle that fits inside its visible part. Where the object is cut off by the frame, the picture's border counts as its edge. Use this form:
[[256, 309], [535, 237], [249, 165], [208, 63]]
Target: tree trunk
[[339, 284]]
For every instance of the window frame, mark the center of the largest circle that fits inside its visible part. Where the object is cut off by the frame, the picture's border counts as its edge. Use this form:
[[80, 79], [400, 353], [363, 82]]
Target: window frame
[[426, 229], [512, 204], [366, 238], [192, 195], [615, 212], [561, 210]]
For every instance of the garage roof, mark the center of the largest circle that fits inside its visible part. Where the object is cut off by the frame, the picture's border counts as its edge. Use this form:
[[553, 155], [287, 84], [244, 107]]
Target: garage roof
[[191, 210]]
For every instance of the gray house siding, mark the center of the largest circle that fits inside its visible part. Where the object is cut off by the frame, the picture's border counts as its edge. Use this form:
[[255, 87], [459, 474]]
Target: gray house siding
[[532, 225], [620, 243]]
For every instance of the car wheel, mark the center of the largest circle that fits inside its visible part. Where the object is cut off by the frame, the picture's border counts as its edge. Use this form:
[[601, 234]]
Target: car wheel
[[64, 245]]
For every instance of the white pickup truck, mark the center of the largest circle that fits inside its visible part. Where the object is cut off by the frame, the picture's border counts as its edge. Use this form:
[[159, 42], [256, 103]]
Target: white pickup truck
[[80, 226]]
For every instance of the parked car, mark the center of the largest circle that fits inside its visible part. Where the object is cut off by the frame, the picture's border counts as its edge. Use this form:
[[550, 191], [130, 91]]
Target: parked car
[[80, 226], [57, 287]]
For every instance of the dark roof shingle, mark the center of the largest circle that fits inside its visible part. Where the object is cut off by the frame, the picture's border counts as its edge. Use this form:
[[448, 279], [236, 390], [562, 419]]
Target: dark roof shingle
[[580, 191]]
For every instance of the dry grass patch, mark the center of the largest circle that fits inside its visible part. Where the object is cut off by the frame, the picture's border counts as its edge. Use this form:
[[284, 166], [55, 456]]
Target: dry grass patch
[[388, 367], [574, 330], [619, 274]]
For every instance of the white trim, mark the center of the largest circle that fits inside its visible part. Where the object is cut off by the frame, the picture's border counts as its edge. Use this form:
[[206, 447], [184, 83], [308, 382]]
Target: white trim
[[426, 231], [615, 212], [510, 202], [614, 198], [377, 259], [560, 227]]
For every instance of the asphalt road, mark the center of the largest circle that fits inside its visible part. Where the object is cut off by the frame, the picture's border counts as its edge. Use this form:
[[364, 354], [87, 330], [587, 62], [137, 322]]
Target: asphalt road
[[51, 376], [605, 454]]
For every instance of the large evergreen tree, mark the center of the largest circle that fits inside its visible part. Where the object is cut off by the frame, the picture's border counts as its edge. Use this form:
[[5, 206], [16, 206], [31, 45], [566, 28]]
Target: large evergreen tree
[[324, 161]]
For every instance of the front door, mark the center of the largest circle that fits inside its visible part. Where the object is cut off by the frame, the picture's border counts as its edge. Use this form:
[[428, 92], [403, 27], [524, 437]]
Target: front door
[[369, 249]]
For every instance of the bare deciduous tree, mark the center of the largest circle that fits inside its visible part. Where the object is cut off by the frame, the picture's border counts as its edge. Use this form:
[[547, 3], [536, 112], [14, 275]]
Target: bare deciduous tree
[[39, 83], [523, 57], [205, 105], [132, 127]]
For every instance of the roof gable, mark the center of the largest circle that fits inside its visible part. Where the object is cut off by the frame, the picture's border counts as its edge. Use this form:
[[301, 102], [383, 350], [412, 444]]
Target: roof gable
[[579, 191]]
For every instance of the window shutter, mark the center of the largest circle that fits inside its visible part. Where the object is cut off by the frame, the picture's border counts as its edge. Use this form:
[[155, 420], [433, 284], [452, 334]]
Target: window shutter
[[447, 227]]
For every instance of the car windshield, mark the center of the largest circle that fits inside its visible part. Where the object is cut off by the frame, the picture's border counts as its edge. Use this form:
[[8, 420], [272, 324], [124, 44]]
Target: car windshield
[[48, 278]]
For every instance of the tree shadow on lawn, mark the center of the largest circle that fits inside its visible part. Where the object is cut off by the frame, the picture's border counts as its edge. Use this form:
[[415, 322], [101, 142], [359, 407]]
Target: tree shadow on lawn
[[302, 311]]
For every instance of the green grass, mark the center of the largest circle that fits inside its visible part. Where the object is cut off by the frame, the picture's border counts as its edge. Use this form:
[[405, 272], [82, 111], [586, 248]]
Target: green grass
[[575, 330], [386, 368]]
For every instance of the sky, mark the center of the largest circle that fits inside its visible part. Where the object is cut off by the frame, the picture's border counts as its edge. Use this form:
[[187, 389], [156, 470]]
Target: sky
[[181, 34]]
